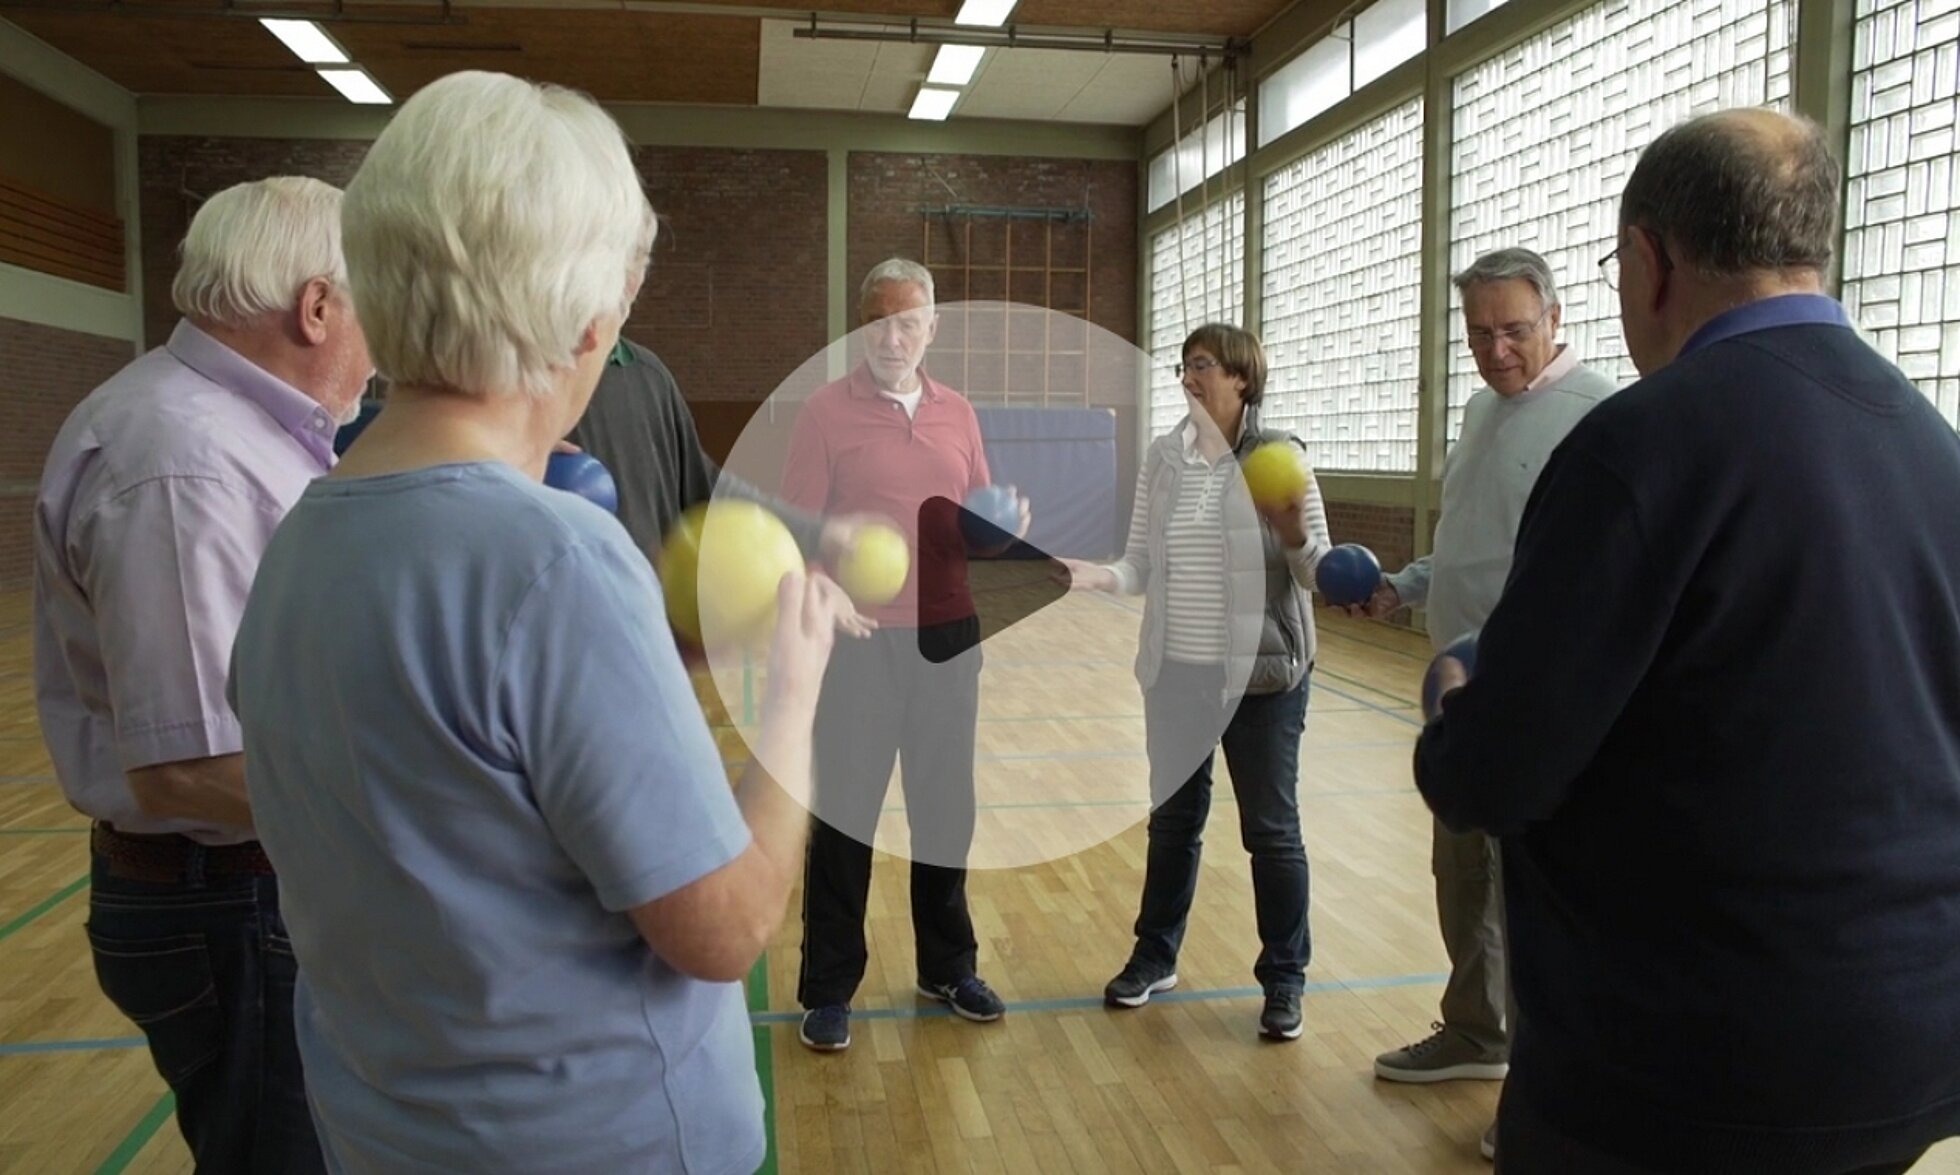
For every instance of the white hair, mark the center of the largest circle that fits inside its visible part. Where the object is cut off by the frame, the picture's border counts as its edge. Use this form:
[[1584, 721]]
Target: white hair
[[252, 247], [491, 223], [1512, 265], [896, 269]]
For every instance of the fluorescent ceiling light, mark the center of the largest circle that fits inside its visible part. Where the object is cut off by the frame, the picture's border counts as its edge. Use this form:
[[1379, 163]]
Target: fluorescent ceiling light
[[356, 86], [986, 12], [955, 64], [307, 40], [933, 104]]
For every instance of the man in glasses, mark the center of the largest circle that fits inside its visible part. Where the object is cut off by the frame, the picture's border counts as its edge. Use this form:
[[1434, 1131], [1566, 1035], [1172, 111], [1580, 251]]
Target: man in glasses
[[1716, 715], [1537, 390]]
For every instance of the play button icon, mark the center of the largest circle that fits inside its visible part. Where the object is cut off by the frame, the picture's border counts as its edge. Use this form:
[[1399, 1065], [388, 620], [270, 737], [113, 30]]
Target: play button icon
[[995, 717], [1006, 582]]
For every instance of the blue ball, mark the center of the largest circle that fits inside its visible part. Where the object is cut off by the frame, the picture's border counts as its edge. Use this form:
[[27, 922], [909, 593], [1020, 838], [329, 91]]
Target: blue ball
[[993, 514], [1464, 649], [1348, 575], [580, 474]]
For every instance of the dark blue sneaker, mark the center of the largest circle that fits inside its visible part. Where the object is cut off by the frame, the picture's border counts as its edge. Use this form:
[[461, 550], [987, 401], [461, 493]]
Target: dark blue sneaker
[[970, 998], [827, 1029]]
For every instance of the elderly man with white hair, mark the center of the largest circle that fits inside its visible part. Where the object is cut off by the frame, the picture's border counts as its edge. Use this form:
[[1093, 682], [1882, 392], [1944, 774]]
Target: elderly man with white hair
[[521, 891], [1537, 389], [158, 498]]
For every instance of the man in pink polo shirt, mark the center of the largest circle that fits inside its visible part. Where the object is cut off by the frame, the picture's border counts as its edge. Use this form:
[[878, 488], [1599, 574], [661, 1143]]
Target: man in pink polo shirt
[[889, 440]]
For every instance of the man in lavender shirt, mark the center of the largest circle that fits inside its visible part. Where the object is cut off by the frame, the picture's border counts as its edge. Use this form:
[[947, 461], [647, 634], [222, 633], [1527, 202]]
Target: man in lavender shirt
[[158, 498]]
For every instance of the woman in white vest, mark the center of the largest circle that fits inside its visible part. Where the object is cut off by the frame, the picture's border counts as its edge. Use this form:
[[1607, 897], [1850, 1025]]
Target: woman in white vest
[[1226, 651]]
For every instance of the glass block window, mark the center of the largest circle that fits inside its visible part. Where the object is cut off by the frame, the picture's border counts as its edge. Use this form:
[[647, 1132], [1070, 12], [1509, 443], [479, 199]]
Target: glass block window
[[1548, 132], [1197, 275], [1198, 157], [1902, 207], [1340, 296]]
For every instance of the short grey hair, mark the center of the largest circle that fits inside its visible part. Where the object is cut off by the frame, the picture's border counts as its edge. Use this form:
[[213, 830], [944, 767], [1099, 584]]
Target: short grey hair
[[896, 269], [1506, 265], [493, 221], [252, 247]]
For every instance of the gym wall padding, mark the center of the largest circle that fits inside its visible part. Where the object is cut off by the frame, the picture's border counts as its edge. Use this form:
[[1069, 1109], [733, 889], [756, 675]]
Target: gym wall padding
[[1063, 461]]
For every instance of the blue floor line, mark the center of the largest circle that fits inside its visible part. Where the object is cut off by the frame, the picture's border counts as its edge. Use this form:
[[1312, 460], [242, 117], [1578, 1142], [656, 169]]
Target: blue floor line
[[923, 1011], [934, 1010]]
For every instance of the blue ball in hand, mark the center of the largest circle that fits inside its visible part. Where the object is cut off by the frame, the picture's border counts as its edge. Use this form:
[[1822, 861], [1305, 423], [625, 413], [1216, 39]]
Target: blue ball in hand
[[993, 514], [1348, 575], [1464, 649], [583, 475]]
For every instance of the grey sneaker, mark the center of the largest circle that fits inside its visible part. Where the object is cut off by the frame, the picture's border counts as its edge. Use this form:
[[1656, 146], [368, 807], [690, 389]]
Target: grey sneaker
[[1280, 1019], [1488, 1147], [1442, 1056], [1136, 984]]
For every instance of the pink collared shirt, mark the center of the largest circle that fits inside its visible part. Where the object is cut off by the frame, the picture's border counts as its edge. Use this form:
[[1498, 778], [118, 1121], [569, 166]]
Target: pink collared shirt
[[157, 500], [856, 451], [1562, 365]]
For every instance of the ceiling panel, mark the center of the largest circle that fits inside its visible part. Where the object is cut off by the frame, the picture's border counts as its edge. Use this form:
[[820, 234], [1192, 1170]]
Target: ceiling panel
[[630, 53]]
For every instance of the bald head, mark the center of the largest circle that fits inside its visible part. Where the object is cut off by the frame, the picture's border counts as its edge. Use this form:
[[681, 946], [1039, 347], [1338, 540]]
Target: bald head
[[1738, 193]]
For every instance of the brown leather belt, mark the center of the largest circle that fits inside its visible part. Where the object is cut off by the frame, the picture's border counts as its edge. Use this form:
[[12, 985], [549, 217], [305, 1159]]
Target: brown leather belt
[[172, 858]]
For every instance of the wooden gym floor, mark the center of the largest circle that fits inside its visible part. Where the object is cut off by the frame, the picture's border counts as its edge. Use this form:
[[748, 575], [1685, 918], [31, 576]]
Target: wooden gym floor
[[1061, 1084]]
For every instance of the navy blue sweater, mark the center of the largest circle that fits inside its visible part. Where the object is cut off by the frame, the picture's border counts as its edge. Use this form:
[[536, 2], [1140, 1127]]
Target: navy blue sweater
[[1716, 720]]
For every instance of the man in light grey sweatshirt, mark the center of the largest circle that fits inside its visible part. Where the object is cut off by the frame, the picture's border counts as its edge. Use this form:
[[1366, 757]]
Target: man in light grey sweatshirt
[[1537, 390]]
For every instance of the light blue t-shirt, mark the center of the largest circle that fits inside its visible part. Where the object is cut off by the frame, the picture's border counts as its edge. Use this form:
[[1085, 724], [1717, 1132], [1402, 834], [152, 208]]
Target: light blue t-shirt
[[471, 746]]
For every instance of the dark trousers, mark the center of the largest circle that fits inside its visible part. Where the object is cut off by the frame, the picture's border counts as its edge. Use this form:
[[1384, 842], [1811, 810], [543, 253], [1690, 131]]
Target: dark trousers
[[204, 968], [1528, 1144], [1262, 749], [912, 696]]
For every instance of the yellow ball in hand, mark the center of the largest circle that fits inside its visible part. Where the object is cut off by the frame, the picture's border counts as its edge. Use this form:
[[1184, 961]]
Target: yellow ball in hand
[[876, 566], [1275, 475], [720, 567]]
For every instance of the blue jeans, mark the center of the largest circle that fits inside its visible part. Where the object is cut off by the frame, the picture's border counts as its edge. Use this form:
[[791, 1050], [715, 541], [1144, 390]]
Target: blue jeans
[[1262, 749], [204, 968]]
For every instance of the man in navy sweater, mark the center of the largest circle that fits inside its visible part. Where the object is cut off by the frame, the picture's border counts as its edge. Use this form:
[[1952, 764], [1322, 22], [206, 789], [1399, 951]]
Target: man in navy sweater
[[1716, 713]]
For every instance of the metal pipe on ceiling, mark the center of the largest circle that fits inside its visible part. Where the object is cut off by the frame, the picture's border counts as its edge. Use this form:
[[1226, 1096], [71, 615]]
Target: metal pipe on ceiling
[[1014, 37]]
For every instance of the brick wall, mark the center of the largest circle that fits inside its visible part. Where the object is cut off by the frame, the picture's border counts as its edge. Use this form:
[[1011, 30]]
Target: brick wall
[[1388, 531], [1065, 266], [734, 300], [44, 373], [887, 192]]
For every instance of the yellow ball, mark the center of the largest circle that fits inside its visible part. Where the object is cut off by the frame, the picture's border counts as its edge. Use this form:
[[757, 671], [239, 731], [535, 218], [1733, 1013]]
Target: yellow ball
[[1274, 475], [875, 568], [720, 566]]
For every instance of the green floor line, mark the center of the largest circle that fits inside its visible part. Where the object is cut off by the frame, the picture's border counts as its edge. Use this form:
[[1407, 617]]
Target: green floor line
[[765, 1060], [139, 1136], [41, 831], [70, 890]]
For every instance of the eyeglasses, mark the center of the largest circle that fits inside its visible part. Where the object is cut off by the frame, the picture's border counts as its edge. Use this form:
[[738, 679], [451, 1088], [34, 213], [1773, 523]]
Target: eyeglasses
[[1198, 366], [1484, 340], [1609, 265], [1609, 268]]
